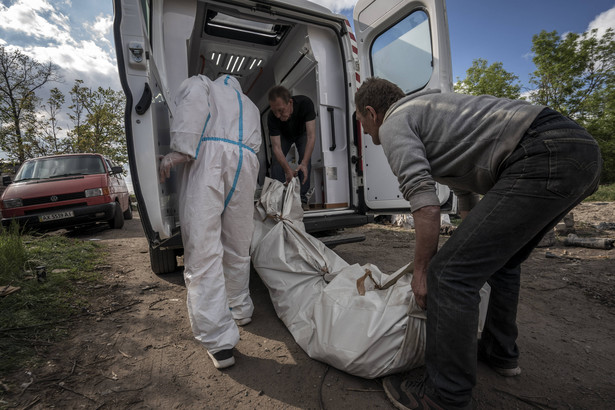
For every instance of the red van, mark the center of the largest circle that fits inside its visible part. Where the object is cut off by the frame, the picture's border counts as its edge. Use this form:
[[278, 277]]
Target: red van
[[63, 191]]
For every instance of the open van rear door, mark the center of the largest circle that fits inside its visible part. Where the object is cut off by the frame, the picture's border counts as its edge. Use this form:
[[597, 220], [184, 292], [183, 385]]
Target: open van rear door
[[407, 43]]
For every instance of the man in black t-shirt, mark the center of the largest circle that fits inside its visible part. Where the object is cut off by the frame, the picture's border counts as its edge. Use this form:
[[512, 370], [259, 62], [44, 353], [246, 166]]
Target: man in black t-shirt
[[292, 120]]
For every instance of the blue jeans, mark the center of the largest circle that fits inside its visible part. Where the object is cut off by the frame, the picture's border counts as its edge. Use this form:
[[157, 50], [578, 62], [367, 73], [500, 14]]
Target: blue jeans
[[277, 172], [545, 177]]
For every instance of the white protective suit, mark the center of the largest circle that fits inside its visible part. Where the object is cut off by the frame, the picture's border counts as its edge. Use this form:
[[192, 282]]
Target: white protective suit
[[219, 127]]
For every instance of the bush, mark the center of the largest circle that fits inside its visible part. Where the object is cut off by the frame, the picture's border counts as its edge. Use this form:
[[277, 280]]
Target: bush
[[605, 193], [607, 149]]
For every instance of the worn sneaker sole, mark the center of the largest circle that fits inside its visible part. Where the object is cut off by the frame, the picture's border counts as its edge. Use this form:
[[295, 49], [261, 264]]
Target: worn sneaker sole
[[221, 364], [502, 371], [507, 372], [406, 395], [399, 398]]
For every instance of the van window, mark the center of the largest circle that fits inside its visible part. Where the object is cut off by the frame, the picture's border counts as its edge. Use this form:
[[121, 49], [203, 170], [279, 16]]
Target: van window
[[56, 167], [402, 54], [145, 8]]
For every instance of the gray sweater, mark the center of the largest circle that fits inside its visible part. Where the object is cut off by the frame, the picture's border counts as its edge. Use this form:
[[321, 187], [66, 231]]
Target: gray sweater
[[455, 139]]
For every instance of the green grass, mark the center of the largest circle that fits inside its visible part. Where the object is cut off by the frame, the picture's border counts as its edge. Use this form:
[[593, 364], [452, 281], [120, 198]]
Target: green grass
[[605, 193], [12, 254], [37, 313]]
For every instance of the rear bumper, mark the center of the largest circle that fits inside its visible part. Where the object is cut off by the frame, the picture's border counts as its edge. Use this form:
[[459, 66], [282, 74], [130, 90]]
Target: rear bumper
[[82, 215], [334, 222], [313, 225]]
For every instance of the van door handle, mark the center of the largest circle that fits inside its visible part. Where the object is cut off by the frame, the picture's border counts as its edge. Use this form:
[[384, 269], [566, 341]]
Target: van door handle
[[144, 101], [333, 146]]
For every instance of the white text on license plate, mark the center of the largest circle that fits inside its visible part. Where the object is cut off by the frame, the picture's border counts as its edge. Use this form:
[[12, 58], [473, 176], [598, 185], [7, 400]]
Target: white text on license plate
[[55, 216]]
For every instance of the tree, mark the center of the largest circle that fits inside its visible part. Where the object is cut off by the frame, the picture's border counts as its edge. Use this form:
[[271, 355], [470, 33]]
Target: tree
[[575, 75], [602, 126], [51, 128], [20, 78], [47, 137], [78, 95], [493, 80], [571, 69], [97, 116]]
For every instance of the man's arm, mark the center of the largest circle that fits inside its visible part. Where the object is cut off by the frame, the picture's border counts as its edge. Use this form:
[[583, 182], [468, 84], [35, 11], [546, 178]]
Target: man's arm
[[276, 146], [427, 228], [310, 129]]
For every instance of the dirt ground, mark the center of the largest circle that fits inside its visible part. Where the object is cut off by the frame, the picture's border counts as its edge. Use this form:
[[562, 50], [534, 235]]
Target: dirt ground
[[134, 348]]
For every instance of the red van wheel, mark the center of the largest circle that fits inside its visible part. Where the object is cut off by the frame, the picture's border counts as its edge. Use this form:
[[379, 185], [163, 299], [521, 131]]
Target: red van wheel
[[117, 222], [128, 213]]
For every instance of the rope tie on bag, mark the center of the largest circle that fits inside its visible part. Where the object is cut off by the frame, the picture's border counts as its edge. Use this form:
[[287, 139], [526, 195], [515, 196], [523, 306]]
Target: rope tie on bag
[[391, 282], [277, 218]]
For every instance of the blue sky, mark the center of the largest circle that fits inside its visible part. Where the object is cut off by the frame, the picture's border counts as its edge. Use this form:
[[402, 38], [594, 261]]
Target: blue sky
[[502, 30], [77, 34]]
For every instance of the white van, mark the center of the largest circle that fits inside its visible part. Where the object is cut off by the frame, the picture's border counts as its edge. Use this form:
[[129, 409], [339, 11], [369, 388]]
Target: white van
[[295, 43]]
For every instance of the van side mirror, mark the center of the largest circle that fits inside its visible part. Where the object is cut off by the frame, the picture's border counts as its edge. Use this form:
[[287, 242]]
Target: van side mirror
[[6, 180], [116, 170]]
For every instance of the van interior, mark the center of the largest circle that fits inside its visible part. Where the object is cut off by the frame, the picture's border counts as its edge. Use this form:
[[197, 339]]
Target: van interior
[[262, 49]]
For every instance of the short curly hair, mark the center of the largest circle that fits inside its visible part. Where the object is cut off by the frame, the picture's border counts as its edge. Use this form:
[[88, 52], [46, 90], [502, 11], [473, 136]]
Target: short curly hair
[[377, 93]]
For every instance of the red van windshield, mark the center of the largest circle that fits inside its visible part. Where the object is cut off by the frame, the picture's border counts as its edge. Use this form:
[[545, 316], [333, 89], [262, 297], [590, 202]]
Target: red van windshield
[[57, 167]]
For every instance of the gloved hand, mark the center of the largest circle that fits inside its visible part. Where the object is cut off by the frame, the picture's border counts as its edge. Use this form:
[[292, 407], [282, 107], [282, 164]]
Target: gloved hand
[[170, 160]]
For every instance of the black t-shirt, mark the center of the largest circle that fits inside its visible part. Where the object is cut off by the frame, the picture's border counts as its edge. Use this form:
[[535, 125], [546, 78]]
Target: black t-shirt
[[303, 111]]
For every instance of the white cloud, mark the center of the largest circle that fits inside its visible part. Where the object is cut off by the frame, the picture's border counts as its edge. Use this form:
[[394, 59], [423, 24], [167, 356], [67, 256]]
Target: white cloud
[[82, 57], [81, 50], [80, 54], [26, 17], [603, 21], [336, 5], [101, 27]]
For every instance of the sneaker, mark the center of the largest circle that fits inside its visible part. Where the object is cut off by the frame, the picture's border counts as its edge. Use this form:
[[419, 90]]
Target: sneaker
[[506, 372], [509, 371], [406, 394], [244, 321], [222, 359]]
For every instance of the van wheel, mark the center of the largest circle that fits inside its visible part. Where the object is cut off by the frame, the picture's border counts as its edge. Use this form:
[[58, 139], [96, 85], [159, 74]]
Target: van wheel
[[162, 260], [128, 213], [117, 222]]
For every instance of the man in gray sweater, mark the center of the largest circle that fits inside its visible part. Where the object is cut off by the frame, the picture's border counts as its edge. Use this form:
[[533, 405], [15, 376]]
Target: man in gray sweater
[[531, 164]]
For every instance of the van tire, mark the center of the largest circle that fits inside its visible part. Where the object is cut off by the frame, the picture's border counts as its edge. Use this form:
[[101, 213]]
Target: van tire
[[117, 222], [162, 260], [128, 213]]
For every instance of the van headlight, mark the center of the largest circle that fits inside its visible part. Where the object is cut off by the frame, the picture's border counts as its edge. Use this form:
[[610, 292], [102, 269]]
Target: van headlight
[[12, 203], [93, 192]]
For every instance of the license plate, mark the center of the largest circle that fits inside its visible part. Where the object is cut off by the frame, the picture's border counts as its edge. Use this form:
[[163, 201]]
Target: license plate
[[55, 216]]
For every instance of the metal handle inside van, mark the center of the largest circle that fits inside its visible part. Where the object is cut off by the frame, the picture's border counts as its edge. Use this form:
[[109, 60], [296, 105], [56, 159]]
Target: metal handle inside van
[[333, 146]]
